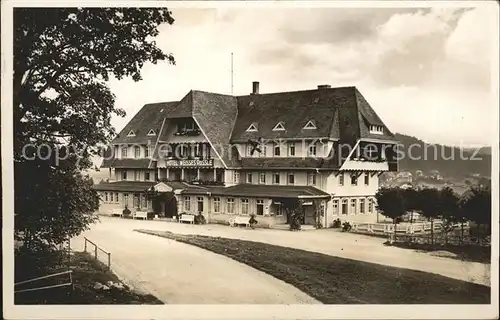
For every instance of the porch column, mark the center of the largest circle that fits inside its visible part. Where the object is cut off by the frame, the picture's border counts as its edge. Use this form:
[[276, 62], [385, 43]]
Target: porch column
[[198, 174], [168, 174], [182, 174], [215, 174]]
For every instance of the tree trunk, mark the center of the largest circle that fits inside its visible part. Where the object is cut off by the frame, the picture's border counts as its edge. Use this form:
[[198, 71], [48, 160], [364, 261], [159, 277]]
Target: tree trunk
[[461, 232]]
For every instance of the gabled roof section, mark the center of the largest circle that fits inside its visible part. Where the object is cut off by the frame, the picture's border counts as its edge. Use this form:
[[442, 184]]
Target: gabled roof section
[[310, 125], [253, 128], [149, 117], [280, 126], [368, 117], [216, 115]]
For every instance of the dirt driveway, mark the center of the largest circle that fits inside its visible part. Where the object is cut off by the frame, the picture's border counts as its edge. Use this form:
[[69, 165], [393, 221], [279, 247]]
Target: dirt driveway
[[180, 273], [327, 241]]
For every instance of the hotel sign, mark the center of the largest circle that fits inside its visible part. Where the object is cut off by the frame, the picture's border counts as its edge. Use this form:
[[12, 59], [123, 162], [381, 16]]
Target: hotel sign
[[190, 163]]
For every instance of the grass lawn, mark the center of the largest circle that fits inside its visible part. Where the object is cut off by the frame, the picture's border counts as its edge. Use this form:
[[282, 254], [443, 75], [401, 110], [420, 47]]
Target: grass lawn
[[86, 272], [334, 280]]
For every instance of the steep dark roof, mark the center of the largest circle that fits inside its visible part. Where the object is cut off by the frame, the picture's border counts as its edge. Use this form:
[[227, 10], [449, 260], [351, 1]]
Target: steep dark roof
[[130, 186], [149, 117]]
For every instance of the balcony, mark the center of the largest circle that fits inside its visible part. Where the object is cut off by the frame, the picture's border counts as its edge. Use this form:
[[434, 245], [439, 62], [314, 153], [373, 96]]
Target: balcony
[[188, 132]]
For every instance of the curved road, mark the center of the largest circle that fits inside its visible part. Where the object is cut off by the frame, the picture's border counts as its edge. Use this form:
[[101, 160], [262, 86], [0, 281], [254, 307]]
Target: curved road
[[179, 273]]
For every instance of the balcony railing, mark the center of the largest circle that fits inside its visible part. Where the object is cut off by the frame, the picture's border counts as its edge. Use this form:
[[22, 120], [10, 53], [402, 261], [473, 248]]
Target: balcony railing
[[188, 132]]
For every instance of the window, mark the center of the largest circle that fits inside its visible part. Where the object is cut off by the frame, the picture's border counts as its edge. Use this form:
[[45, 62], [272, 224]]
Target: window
[[216, 204], [262, 178], [125, 200], [353, 205], [312, 149], [263, 149], [370, 205], [291, 178], [146, 176], [111, 197], [147, 151], [124, 175], [144, 201], [137, 152], [197, 150], [280, 126], [371, 152], [200, 204], [151, 132], [187, 204], [230, 205], [279, 210], [115, 153], [106, 196], [260, 207], [377, 129], [252, 128], [137, 175], [367, 179], [344, 206], [361, 205], [276, 178], [116, 197], [236, 177], [311, 179], [335, 206], [244, 206], [310, 125], [354, 179], [136, 200], [249, 177], [249, 150], [131, 133], [291, 149], [341, 179], [124, 152], [277, 150]]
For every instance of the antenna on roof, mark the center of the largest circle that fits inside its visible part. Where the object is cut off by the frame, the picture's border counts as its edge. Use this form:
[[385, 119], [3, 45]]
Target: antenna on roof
[[231, 73]]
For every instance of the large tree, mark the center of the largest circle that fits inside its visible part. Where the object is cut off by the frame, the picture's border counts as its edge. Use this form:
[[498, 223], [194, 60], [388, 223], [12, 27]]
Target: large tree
[[63, 58], [475, 205], [391, 203], [430, 205]]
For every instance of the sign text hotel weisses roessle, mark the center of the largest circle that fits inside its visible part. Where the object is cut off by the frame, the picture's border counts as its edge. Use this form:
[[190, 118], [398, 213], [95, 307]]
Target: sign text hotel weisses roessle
[[190, 163]]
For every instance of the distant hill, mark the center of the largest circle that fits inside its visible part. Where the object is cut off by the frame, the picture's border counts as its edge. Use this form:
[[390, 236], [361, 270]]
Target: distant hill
[[451, 162]]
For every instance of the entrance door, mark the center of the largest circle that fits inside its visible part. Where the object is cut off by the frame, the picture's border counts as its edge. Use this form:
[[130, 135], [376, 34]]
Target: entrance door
[[200, 204], [344, 207], [260, 207]]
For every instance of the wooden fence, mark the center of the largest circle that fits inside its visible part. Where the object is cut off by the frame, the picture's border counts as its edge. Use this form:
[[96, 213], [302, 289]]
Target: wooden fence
[[95, 251], [403, 228]]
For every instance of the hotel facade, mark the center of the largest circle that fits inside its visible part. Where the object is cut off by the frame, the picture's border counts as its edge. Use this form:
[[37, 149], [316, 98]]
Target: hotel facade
[[227, 156]]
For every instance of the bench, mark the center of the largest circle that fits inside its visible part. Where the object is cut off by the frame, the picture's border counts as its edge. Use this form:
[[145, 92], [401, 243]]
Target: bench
[[240, 220], [186, 218], [117, 212], [140, 214]]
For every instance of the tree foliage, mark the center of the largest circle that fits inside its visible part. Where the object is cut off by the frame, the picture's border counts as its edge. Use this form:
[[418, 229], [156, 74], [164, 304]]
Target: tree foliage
[[391, 202], [63, 58], [475, 205]]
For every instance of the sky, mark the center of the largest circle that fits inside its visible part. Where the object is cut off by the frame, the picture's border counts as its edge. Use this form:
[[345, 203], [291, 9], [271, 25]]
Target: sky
[[426, 72]]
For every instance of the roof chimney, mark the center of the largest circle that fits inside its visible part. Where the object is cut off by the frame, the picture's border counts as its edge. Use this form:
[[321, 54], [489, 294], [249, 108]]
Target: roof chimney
[[324, 86], [255, 87]]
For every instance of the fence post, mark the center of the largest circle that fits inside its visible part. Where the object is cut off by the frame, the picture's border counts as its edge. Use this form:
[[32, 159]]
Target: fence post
[[85, 249], [109, 261], [95, 252]]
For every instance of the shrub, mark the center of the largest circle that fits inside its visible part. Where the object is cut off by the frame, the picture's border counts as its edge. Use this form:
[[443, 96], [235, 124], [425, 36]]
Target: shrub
[[337, 223], [346, 226], [200, 218], [252, 221], [126, 212], [295, 222]]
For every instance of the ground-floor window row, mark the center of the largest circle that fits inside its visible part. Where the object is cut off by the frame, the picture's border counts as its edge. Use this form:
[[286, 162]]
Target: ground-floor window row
[[353, 205], [232, 205], [131, 200]]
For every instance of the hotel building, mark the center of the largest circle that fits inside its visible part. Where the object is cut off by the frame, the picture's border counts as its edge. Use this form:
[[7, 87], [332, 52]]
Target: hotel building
[[225, 155]]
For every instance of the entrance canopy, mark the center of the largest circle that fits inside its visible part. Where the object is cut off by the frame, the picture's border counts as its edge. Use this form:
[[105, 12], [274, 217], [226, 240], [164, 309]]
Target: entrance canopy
[[268, 191]]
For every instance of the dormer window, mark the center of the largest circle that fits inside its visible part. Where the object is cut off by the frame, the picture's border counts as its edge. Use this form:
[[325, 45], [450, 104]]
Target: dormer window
[[131, 133], [252, 128], [377, 129], [280, 126], [151, 133], [310, 125]]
